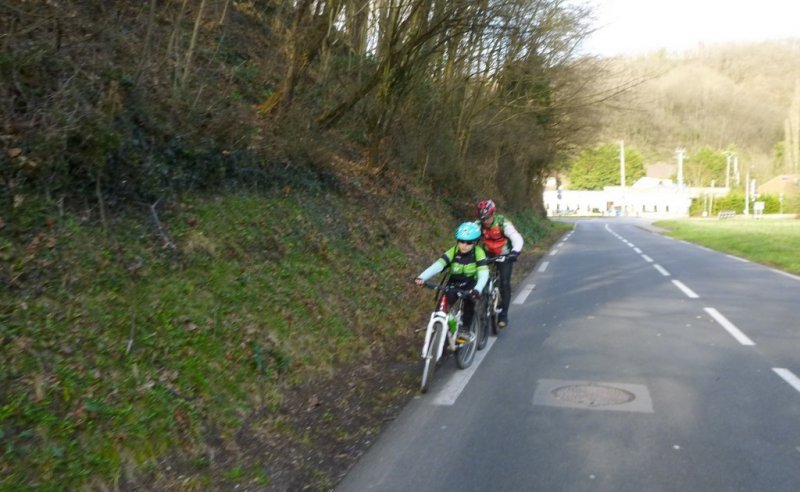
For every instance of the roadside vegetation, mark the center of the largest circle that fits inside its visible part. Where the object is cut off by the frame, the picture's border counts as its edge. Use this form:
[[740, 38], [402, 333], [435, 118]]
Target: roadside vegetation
[[211, 212], [772, 242], [243, 339]]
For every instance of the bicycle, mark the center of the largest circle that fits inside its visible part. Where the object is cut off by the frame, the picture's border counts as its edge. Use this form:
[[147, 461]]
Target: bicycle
[[443, 332], [491, 299]]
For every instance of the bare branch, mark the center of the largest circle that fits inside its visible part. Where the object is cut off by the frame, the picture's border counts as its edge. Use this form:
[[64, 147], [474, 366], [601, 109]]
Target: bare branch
[[167, 242]]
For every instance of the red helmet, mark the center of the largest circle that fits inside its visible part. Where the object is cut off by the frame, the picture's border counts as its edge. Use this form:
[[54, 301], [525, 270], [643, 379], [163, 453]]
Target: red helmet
[[486, 208]]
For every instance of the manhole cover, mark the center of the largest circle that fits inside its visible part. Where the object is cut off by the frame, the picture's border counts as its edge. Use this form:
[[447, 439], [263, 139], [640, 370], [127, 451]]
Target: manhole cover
[[593, 395]]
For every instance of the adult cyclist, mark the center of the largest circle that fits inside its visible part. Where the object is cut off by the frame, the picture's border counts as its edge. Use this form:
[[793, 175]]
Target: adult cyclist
[[468, 268], [500, 237]]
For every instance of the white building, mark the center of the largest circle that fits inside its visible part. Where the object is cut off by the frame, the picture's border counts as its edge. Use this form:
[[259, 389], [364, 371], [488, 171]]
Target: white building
[[648, 197]]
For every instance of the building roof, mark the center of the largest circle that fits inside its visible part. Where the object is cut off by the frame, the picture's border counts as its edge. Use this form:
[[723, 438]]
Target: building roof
[[784, 183], [648, 182], [661, 170]]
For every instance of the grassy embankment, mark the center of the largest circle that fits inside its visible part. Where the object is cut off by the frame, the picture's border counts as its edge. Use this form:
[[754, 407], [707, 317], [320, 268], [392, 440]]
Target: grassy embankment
[[770, 242], [121, 352]]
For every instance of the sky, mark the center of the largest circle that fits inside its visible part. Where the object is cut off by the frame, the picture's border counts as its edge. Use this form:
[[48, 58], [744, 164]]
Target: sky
[[628, 27]]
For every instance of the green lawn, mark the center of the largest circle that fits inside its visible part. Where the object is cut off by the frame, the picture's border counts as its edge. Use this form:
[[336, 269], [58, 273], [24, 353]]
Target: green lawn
[[768, 241]]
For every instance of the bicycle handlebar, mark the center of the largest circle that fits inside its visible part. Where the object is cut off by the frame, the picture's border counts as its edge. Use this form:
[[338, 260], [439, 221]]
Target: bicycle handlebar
[[464, 293], [497, 259]]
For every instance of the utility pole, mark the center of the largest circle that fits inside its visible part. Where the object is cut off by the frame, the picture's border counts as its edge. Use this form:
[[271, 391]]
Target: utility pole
[[622, 176], [747, 194], [728, 155], [711, 200], [736, 168], [679, 152]]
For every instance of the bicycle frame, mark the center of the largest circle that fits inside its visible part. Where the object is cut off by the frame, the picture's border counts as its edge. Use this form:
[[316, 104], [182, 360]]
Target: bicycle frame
[[494, 274], [441, 315], [491, 309]]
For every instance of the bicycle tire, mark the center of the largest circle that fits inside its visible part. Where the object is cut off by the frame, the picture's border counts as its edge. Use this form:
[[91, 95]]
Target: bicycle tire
[[494, 303], [429, 364], [465, 354], [483, 328]]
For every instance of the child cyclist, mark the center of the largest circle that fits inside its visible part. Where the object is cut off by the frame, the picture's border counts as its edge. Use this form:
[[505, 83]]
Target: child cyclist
[[468, 268]]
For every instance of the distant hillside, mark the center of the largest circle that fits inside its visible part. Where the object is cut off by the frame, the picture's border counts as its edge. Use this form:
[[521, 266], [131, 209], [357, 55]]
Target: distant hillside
[[724, 96]]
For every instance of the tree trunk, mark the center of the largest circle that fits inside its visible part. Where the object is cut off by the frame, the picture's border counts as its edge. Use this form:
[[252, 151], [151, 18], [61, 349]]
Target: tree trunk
[[190, 52], [306, 39]]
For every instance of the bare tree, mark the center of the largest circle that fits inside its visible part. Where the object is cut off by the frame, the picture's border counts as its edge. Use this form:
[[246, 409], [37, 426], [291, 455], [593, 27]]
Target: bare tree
[[311, 23]]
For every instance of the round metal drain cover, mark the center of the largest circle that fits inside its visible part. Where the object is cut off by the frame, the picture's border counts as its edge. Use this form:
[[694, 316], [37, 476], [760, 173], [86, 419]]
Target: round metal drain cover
[[593, 395]]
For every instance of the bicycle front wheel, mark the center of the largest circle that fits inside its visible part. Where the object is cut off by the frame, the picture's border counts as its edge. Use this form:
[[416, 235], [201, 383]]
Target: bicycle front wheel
[[465, 353], [494, 309], [429, 362]]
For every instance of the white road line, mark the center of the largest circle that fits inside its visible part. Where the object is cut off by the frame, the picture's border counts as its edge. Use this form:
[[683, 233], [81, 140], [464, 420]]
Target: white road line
[[553, 253], [520, 299], [631, 245], [638, 250], [735, 332], [458, 381], [738, 259], [647, 259], [789, 377], [686, 290], [661, 270], [543, 266], [785, 274]]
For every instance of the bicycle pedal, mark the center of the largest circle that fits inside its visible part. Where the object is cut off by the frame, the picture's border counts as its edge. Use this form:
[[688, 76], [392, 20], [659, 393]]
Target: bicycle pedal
[[464, 338]]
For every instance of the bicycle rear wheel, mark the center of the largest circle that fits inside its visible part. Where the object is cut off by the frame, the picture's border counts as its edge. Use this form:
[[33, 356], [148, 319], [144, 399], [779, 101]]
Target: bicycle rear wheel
[[465, 353], [429, 362]]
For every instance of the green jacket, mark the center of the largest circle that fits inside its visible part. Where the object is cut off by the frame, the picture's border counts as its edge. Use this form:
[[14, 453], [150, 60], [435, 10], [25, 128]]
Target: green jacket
[[472, 265]]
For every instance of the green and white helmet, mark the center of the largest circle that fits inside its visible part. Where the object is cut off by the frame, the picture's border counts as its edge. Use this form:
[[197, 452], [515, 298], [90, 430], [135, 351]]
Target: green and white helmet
[[468, 231]]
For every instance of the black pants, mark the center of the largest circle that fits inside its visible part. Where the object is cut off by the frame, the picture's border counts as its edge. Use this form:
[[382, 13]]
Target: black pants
[[469, 304], [505, 287]]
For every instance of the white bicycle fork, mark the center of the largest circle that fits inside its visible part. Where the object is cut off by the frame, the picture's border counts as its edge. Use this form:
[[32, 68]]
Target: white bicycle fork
[[439, 316]]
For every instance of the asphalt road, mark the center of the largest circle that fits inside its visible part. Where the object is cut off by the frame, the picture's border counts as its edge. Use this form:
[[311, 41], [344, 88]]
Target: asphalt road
[[632, 362]]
